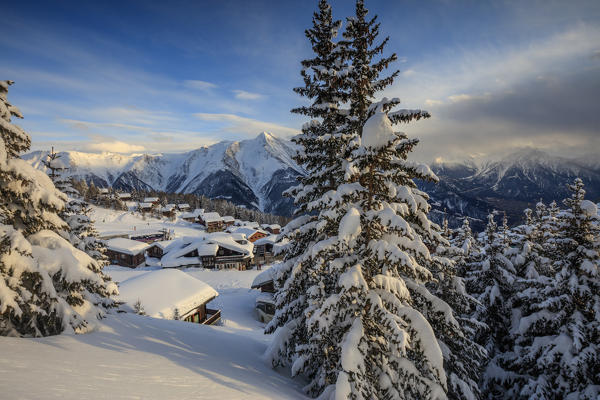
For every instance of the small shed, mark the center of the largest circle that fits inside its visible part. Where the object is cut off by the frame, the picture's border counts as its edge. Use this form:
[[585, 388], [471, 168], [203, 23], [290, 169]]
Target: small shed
[[265, 281], [171, 294], [126, 252]]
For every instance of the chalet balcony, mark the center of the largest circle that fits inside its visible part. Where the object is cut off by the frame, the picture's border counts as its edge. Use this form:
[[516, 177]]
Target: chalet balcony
[[212, 317]]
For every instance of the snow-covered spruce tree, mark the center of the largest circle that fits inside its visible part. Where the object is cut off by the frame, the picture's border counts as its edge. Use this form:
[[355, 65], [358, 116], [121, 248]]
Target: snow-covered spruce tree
[[379, 325], [324, 144], [491, 282], [82, 233], [557, 346], [467, 247], [43, 291]]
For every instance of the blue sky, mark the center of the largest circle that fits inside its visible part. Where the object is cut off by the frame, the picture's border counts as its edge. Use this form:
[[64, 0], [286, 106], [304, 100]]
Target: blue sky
[[133, 76]]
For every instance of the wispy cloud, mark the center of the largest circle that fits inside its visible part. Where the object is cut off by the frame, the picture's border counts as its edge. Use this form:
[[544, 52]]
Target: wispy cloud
[[247, 126], [199, 85], [243, 95]]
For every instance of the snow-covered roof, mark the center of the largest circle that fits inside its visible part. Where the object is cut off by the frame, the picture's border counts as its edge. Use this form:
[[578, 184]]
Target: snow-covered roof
[[205, 245], [248, 231], [183, 205], [103, 190], [124, 195], [226, 240], [228, 218], [161, 292], [265, 297], [275, 226], [268, 275], [168, 208], [150, 199], [146, 205], [271, 239], [126, 246], [211, 217], [163, 244], [189, 215]]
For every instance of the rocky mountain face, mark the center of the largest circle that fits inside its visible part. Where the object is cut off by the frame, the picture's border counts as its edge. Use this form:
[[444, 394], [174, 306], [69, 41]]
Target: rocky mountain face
[[254, 172]]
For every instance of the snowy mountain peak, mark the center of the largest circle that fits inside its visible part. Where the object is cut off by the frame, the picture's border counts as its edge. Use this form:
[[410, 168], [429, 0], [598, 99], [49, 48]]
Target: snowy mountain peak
[[251, 172]]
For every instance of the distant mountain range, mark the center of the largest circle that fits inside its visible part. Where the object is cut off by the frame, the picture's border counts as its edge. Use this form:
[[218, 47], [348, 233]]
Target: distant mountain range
[[511, 184], [254, 172], [250, 173]]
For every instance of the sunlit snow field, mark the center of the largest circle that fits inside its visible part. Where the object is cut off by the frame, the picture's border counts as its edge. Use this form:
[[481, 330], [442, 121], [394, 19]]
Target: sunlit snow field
[[135, 357]]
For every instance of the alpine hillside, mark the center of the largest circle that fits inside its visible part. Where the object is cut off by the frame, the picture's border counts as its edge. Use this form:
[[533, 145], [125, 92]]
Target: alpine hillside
[[251, 173]]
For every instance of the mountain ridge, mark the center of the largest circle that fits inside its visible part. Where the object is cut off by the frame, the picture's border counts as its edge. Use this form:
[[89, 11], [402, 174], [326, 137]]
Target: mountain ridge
[[254, 172]]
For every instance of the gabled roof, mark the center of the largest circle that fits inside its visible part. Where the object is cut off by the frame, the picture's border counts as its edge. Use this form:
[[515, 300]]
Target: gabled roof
[[211, 217], [268, 275], [146, 205], [207, 245], [150, 199], [161, 291], [163, 244], [228, 218], [271, 239], [248, 231], [126, 246]]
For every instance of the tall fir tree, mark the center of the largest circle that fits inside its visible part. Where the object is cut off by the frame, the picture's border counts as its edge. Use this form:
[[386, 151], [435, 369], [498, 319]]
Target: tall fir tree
[[491, 281], [323, 147], [365, 325], [82, 233]]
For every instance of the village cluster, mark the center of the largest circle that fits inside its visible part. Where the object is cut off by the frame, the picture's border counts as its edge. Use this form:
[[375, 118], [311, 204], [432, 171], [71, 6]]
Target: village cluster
[[221, 242]]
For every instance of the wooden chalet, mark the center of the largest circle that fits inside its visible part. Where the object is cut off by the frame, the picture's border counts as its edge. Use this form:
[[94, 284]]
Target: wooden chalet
[[171, 294], [124, 196], [228, 221], [251, 234], [153, 200], [273, 229], [184, 207], [126, 252], [168, 211], [263, 250], [212, 221], [218, 250], [145, 207], [158, 248]]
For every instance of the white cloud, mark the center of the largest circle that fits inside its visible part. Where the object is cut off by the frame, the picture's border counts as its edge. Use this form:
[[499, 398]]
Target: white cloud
[[115, 147], [243, 95], [247, 126], [199, 85]]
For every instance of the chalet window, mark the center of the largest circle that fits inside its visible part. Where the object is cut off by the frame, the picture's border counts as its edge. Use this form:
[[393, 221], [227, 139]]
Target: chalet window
[[221, 252], [123, 256]]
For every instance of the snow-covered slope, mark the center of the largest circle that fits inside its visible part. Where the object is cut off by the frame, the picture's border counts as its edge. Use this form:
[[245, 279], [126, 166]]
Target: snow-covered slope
[[250, 172], [135, 357]]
